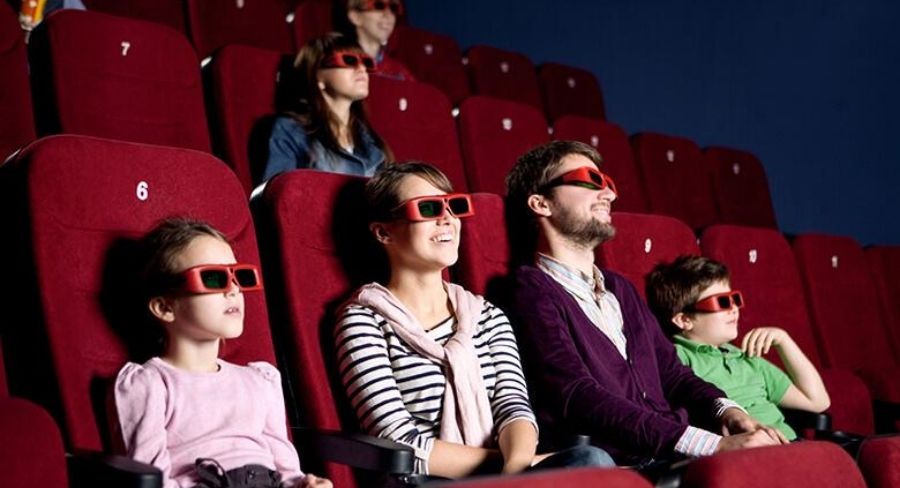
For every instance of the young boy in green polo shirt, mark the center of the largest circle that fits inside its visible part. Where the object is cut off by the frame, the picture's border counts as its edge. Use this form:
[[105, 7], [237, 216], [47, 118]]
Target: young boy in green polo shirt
[[693, 300]]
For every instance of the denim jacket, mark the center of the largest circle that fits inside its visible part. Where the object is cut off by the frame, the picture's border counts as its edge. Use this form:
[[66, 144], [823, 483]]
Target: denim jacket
[[290, 147]]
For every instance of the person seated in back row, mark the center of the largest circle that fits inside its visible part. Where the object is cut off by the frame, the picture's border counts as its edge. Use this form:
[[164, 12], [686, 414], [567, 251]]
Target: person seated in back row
[[694, 303], [370, 23], [325, 125]]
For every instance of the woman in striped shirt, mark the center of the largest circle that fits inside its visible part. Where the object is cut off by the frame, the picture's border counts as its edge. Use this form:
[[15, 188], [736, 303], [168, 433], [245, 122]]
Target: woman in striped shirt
[[425, 362]]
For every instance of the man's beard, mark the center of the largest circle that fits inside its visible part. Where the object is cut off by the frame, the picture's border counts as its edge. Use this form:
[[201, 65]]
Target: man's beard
[[587, 233]]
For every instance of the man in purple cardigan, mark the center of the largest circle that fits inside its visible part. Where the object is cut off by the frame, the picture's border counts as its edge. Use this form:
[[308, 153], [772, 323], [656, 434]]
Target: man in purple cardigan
[[600, 363]]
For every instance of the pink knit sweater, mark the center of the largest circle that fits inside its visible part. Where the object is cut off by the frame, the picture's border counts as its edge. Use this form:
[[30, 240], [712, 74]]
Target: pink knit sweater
[[169, 417]]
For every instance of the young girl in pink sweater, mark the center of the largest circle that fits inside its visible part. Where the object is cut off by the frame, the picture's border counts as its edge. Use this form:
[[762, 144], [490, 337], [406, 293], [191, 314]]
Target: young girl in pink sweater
[[204, 422]]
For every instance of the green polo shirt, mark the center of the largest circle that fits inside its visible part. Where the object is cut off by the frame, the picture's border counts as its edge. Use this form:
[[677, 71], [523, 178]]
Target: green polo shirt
[[754, 383]]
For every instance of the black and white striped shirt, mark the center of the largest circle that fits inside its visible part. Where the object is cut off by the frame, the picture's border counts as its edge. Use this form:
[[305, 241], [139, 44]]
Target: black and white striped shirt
[[397, 393]]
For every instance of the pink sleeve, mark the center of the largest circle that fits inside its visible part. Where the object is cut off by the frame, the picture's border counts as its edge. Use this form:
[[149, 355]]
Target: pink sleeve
[[285, 455], [140, 399]]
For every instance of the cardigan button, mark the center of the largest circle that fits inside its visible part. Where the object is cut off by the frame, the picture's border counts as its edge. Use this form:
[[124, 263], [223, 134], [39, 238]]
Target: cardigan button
[[644, 395]]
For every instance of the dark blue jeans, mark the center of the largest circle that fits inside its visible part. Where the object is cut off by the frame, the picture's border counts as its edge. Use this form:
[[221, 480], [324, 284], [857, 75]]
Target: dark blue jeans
[[576, 457]]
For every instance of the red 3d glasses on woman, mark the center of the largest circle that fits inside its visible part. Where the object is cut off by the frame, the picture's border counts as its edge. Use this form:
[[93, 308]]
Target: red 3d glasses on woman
[[434, 207], [395, 6], [216, 278], [719, 302], [585, 177], [349, 59]]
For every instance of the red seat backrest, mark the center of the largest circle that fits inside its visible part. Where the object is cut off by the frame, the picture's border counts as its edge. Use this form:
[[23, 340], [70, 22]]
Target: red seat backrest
[[676, 178], [259, 23], [740, 188], [503, 74], [312, 18], [484, 254], [884, 265], [610, 478], [493, 134], [618, 161], [432, 58], [17, 122], [118, 78], [168, 12], [568, 90], [87, 202], [31, 454], [641, 242], [415, 121]]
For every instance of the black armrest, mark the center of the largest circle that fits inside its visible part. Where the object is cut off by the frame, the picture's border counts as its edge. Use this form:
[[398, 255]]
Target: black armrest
[[802, 419], [92, 469], [356, 450], [886, 416]]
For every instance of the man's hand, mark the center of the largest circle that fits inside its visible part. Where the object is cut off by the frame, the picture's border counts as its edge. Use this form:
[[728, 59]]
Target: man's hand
[[759, 340], [735, 422], [746, 440]]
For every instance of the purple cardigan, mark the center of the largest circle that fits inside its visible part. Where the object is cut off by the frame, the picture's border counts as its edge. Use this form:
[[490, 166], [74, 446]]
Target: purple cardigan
[[634, 409]]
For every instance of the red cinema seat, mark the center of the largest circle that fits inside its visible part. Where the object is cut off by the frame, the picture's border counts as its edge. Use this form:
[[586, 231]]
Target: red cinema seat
[[168, 12], [318, 252], [503, 74], [493, 134], [676, 178], [312, 18], [17, 122], [884, 265], [843, 303], [878, 459], [618, 161], [810, 463], [259, 23], [415, 121], [78, 314], [607, 478], [642, 241], [432, 58], [570, 91], [740, 188], [243, 83], [484, 254], [118, 78], [762, 266], [31, 454]]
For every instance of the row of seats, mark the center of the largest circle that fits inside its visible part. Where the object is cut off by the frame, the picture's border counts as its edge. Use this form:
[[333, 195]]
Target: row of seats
[[130, 80], [76, 205]]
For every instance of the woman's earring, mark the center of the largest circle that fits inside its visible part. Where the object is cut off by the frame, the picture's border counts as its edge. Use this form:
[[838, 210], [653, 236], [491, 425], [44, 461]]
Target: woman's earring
[[321, 85]]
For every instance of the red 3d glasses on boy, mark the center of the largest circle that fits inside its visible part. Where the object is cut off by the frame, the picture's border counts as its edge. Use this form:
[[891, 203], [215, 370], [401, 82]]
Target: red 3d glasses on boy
[[719, 302], [586, 177], [217, 278], [349, 59], [395, 6], [434, 207]]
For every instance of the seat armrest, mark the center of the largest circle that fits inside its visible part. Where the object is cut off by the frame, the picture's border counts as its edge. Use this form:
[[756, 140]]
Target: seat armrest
[[802, 419], [92, 469], [356, 450]]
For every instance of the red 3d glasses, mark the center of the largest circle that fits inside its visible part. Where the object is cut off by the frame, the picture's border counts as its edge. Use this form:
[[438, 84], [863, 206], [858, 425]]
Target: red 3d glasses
[[719, 302], [586, 177], [434, 207], [216, 278], [349, 59]]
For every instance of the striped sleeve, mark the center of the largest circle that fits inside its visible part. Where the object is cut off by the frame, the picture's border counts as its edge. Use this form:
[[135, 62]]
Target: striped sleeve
[[365, 370], [697, 442], [510, 398]]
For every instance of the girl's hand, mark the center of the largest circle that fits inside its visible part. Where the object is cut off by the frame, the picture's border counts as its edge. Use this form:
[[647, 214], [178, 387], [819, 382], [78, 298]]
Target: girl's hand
[[313, 481], [759, 340]]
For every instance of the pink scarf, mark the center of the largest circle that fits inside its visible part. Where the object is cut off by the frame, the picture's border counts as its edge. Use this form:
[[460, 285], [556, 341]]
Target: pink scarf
[[466, 411]]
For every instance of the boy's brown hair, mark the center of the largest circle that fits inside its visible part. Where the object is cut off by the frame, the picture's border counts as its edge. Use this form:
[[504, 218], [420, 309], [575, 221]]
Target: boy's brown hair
[[672, 287]]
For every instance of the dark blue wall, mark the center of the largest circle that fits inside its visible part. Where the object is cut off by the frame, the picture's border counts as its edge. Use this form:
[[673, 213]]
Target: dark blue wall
[[811, 86]]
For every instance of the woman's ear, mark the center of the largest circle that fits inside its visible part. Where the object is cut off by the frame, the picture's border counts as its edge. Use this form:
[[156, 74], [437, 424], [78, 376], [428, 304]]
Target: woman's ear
[[380, 231], [162, 309], [539, 205], [683, 321], [354, 17]]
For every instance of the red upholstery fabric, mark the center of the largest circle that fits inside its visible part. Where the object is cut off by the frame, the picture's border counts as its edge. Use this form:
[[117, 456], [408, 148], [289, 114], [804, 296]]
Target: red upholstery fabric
[[415, 121], [433, 58], [740, 188], [484, 253], [879, 459], [17, 123], [168, 12], [88, 200], [843, 302], [676, 178], [763, 267], [884, 265], [493, 134], [811, 463], [570, 91], [117, 78], [607, 478], [312, 18], [319, 257], [31, 454], [641, 242], [618, 161], [260, 23], [503, 74], [243, 86]]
